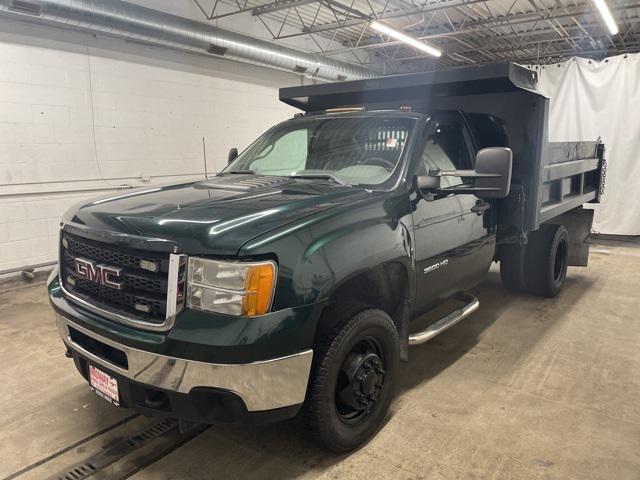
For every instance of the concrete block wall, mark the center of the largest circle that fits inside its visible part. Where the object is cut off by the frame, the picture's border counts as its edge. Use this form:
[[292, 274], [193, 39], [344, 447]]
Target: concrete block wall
[[82, 116]]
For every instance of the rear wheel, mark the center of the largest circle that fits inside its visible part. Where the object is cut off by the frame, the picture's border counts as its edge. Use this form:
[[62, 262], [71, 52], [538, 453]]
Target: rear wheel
[[546, 260], [353, 377]]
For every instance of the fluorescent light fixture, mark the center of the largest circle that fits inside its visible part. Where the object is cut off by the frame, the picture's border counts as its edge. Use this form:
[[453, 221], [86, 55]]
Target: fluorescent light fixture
[[407, 39], [606, 16]]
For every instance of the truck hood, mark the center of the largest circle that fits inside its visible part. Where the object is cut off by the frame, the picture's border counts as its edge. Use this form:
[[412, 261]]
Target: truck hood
[[214, 216]]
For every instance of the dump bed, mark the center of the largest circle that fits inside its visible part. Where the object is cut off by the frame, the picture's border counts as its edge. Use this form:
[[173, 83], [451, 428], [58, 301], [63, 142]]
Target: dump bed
[[548, 179]]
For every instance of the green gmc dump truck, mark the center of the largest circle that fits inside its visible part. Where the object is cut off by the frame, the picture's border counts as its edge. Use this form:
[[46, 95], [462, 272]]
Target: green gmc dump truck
[[288, 283]]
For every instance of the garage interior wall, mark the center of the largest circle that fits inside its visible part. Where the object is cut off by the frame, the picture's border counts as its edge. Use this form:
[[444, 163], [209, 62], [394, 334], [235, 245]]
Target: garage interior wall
[[82, 116], [591, 99]]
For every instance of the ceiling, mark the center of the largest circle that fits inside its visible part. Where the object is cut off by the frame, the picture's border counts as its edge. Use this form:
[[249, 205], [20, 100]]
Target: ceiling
[[468, 32]]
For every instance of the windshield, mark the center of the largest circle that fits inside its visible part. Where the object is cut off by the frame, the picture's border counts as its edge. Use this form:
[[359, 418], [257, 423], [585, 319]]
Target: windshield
[[353, 150]]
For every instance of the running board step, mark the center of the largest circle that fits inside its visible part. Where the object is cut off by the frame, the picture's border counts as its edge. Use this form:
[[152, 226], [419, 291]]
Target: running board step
[[441, 325]]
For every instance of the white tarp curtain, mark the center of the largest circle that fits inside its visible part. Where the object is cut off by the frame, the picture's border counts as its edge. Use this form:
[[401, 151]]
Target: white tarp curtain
[[591, 99]]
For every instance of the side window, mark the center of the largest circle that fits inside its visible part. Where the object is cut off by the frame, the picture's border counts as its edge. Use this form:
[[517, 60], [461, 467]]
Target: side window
[[287, 154], [447, 148]]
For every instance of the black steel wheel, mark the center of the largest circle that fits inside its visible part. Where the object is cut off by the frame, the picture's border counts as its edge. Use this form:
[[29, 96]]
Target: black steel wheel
[[360, 381], [353, 376]]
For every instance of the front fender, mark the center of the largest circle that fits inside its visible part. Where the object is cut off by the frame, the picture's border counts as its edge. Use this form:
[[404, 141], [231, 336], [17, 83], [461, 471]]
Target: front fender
[[319, 253]]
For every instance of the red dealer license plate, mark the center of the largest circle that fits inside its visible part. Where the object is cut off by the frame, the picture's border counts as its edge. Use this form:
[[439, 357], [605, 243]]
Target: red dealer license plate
[[104, 385]]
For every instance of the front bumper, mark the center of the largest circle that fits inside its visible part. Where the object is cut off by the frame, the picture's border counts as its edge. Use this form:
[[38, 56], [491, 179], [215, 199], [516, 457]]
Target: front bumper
[[257, 366], [266, 385]]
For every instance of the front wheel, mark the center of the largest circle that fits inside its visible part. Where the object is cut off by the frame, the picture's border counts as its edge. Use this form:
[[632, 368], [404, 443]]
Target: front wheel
[[353, 378]]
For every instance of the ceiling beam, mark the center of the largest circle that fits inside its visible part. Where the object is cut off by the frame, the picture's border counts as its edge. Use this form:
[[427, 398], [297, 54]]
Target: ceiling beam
[[280, 5], [481, 25], [275, 6], [407, 12], [532, 44], [528, 50]]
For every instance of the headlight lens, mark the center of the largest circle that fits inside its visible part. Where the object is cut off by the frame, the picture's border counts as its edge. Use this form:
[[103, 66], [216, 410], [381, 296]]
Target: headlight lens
[[234, 288]]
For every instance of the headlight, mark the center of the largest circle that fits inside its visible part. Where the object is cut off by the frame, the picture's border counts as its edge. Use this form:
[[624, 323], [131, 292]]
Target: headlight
[[234, 288]]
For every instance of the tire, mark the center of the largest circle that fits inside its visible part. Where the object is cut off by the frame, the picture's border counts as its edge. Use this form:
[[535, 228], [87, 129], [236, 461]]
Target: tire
[[512, 267], [359, 336], [546, 260]]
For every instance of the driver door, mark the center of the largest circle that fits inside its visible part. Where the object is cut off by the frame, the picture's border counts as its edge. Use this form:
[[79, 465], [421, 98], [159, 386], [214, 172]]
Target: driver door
[[453, 248]]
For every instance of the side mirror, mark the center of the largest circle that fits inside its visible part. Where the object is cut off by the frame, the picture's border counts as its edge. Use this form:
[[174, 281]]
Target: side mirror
[[490, 179], [233, 154], [493, 168]]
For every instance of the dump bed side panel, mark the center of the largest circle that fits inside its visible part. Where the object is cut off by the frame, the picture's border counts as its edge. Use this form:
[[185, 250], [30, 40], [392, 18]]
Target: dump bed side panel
[[572, 175]]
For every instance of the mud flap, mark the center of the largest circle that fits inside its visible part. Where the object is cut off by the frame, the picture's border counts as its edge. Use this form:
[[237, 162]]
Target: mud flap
[[578, 222]]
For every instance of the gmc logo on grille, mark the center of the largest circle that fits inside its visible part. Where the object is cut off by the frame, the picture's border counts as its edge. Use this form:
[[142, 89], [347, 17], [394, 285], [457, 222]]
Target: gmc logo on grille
[[101, 274]]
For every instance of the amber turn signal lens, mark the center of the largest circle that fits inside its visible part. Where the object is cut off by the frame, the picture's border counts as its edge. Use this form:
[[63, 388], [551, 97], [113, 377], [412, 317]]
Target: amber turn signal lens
[[258, 285]]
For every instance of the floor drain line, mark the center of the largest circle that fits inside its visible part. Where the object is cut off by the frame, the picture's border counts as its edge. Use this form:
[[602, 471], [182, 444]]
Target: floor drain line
[[118, 451], [78, 473]]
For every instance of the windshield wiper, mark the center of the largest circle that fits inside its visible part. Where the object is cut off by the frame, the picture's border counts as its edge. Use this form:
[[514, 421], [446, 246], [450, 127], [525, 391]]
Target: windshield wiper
[[324, 176]]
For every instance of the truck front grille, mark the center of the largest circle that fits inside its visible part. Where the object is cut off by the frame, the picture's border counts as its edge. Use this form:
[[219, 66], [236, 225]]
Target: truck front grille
[[81, 247], [131, 281], [142, 278]]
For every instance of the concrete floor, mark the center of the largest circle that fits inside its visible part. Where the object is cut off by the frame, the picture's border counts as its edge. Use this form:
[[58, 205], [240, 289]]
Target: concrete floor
[[524, 388]]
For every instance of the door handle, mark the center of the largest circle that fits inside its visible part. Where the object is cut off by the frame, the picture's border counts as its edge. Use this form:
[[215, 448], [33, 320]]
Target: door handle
[[480, 207]]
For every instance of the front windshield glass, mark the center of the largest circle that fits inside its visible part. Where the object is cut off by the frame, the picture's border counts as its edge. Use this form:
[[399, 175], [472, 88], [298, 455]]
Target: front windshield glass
[[353, 150]]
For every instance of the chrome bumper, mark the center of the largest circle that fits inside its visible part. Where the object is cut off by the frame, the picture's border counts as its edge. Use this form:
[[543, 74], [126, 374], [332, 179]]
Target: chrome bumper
[[265, 385]]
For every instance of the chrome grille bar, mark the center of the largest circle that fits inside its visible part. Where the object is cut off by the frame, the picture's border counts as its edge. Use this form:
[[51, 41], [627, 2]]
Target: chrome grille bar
[[173, 306]]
